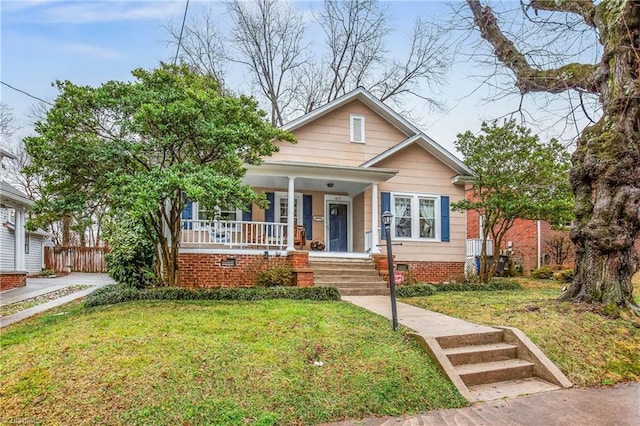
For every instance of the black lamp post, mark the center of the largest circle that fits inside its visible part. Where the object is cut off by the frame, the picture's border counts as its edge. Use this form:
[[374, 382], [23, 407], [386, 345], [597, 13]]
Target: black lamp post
[[386, 221]]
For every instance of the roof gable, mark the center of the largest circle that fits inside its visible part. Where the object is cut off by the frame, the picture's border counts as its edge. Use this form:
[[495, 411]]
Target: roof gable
[[414, 135], [366, 98]]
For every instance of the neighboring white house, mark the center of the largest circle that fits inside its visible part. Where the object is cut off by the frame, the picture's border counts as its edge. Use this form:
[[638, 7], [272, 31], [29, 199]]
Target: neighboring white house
[[20, 251]]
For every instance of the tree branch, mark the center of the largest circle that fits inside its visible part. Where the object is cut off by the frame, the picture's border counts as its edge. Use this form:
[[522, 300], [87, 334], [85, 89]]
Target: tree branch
[[584, 8], [571, 76]]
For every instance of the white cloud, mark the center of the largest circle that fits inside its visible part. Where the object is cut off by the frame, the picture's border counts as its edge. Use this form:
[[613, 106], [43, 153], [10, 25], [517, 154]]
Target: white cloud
[[86, 12], [90, 50]]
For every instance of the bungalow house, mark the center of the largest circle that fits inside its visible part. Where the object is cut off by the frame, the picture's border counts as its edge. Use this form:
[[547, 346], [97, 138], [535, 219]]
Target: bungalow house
[[355, 159], [21, 252]]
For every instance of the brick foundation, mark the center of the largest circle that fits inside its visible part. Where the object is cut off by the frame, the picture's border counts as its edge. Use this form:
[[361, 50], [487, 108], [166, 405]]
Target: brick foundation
[[209, 270], [12, 279], [423, 271]]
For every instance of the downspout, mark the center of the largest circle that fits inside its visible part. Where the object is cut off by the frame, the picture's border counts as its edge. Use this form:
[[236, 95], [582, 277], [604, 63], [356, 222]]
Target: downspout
[[539, 247]]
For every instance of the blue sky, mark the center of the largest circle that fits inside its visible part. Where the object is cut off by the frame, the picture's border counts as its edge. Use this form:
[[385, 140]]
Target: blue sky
[[90, 42]]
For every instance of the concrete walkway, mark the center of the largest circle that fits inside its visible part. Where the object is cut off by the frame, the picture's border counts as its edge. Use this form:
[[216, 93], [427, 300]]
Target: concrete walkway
[[619, 406], [39, 286], [426, 323], [586, 407]]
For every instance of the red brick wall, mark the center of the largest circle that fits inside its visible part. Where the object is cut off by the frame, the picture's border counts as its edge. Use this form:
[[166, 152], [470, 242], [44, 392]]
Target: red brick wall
[[12, 280], [424, 271], [206, 270]]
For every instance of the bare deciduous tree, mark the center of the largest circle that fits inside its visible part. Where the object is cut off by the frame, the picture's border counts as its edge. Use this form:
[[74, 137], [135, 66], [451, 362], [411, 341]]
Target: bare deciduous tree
[[268, 35], [293, 77], [354, 32], [606, 164], [202, 46]]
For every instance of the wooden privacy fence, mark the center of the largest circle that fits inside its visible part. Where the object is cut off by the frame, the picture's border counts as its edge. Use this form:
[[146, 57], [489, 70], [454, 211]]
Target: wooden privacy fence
[[75, 259]]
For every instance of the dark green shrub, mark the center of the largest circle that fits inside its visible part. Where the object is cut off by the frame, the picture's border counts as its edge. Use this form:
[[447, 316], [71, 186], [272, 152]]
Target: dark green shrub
[[419, 290], [112, 294], [494, 285], [564, 276], [118, 293], [276, 276], [130, 257], [543, 273]]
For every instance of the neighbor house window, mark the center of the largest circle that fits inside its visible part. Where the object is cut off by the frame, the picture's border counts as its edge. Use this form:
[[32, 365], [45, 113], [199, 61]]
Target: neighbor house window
[[415, 216], [357, 128], [27, 239]]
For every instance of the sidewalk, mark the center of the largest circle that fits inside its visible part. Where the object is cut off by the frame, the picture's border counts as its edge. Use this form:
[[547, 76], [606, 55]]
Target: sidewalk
[[39, 286], [619, 406]]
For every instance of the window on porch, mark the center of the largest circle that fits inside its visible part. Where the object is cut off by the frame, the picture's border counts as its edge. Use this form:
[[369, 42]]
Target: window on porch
[[282, 210]]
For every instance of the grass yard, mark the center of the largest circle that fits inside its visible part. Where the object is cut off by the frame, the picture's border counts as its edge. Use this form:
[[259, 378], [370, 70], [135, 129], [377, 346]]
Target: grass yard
[[206, 362], [588, 347]]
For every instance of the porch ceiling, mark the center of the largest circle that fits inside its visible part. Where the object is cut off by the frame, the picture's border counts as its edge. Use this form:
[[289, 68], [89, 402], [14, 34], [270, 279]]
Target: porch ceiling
[[316, 177]]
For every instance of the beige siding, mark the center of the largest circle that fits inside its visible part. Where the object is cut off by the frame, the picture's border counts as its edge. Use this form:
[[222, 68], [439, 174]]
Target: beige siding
[[327, 139], [421, 173]]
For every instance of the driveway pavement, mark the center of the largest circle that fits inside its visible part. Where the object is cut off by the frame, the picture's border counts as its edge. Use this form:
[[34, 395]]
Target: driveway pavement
[[39, 286]]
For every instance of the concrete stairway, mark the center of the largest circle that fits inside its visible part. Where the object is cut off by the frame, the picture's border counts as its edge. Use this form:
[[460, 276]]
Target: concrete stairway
[[496, 364], [352, 277]]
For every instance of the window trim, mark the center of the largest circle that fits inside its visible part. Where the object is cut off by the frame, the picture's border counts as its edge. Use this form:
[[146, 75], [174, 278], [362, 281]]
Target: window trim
[[277, 196], [415, 217], [352, 118], [195, 212]]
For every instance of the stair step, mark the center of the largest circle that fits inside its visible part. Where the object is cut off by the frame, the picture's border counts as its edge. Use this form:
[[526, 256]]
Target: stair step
[[365, 284], [496, 371], [511, 388], [345, 280], [481, 353], [340, 271], [458, 340], [347, 274], [363, 291]]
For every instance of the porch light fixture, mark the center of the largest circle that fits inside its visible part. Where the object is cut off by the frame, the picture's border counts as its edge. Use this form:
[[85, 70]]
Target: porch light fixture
[[387, 217]]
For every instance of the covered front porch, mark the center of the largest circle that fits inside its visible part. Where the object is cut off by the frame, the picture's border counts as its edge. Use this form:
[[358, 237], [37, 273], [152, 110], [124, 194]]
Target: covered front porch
[[327, 210]]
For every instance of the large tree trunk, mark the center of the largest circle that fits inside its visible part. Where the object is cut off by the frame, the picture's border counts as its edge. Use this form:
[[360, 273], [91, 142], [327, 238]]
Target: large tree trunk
[[606, 172]]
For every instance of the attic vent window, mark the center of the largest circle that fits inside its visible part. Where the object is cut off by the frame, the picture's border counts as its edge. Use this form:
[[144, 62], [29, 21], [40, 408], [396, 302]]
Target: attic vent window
[[357, 128]]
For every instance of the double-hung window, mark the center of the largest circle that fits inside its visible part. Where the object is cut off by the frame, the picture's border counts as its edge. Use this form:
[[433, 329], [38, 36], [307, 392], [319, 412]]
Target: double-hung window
[[415, 216], [356, 125], [282, 204]]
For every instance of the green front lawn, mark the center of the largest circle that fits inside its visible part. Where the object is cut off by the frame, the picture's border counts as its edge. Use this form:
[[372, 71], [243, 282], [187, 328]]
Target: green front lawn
[[589, 348], [207, 362]]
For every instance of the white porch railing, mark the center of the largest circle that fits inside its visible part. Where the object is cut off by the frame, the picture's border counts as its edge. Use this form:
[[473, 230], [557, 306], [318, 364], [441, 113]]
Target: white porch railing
[[237, 233], [474, 247]]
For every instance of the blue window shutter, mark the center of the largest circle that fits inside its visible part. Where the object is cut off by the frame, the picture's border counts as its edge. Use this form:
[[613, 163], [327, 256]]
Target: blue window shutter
[[386, 206], [187, 214], [269, 212], [307, 218], [444, 219], [247, 215]]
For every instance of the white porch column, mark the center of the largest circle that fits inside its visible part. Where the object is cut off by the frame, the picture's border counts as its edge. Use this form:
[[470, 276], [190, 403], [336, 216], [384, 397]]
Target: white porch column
[[290, 214], [375, 216], [18, 260]]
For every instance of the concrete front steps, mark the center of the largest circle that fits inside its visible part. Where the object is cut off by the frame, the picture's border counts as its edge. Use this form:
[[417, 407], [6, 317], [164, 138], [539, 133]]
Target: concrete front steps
[[495, 364], [352, 277]]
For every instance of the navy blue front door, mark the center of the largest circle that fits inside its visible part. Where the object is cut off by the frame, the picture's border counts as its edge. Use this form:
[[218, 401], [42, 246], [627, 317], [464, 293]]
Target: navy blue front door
[[338, 227]]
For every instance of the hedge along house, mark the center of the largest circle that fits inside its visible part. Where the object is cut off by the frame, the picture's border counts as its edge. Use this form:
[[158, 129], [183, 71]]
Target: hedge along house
[[355, 158]]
